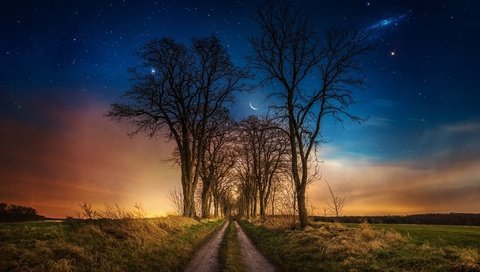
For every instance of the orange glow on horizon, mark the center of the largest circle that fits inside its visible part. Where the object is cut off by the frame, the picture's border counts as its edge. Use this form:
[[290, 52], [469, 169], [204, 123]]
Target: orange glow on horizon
[[87, 158]]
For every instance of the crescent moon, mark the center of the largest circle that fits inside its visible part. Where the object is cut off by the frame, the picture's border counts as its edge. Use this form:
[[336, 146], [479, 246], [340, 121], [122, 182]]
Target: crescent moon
[[252, 107]]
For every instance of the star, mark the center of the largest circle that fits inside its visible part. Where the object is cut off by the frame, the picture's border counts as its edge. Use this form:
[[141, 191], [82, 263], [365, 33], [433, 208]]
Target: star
[[392, 53]]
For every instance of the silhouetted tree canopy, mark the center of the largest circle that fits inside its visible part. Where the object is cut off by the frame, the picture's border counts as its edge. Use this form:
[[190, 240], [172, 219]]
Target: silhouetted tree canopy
[[180, 90], [313, 76], [15, 213]]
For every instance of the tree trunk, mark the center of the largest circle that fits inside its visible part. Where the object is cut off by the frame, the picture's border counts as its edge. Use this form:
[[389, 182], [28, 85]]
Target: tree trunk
[[215, 207], [302, 208], [205, 209], [263, 217], [209, 205], [254, 212], [273, 203], [262, 202], [189, 201], [205, 202]]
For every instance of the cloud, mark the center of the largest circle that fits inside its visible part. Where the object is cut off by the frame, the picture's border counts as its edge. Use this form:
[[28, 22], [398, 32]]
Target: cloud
[[399, 189], [67, 154], [379, 122], [64, 152], [469, 127], [449, 144], [442, 175]]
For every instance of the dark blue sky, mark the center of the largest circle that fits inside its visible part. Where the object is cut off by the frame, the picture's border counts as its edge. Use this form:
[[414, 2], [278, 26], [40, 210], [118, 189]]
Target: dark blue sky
[[52, 47], [421, 106]]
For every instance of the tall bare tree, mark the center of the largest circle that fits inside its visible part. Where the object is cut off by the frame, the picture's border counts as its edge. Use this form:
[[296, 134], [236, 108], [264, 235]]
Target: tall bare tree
[[313, 79], [177, 89]]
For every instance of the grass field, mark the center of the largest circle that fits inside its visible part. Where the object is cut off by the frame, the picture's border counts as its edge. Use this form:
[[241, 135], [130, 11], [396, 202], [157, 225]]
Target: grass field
[[364, 247], [160, 244], [167, 244], [438, 235]]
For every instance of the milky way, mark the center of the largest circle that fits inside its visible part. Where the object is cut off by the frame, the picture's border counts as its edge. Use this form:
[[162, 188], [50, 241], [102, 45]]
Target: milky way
[[387, 22]]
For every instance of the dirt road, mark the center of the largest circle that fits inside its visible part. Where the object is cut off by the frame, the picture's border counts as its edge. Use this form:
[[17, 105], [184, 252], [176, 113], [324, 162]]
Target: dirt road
[[206, 259], [253, 259]]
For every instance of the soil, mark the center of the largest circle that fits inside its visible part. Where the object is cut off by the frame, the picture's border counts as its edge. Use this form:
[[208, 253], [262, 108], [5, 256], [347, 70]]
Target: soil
[[207, 258], [253, 259]]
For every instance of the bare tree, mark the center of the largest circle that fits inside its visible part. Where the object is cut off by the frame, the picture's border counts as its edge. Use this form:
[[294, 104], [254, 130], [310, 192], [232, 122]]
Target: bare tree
[[176, 200], [246, 183], [227, 201], [219, 158], [336, 206], [220, 190], [313, 80], [286, 200], [177, 90], [263, 153], [275, 191]]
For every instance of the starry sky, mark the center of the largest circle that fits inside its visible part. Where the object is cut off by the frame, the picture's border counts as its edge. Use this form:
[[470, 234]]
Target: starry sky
[[62, 63]]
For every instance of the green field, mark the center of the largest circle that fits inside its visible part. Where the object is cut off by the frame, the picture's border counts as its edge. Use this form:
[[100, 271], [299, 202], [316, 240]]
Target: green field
[[435, 235], [438, 235], [364, 247], [160, 244]]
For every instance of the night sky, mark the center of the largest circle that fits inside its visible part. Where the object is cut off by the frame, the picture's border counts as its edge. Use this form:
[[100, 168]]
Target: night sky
[[62, 63]]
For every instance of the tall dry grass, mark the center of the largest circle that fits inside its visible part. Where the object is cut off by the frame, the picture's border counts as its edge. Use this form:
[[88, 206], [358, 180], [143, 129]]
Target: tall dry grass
[[335, 238], [337, 247], [106, 244]]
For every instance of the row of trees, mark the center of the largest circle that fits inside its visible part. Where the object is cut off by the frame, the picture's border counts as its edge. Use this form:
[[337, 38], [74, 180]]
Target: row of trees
[[262, 163], [246, 168], [184, 92]]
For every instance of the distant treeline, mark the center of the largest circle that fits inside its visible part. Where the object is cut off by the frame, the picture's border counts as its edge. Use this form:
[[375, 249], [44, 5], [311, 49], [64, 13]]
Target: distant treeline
[[469, 219], [14, 213]]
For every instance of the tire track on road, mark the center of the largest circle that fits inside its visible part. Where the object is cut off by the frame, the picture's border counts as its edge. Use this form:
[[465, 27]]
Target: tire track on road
[[253, 259], [207, 258]]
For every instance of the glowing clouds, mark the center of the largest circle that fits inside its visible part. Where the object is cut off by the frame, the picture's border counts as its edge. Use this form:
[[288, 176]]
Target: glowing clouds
[[378, 189], [74, 154]]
